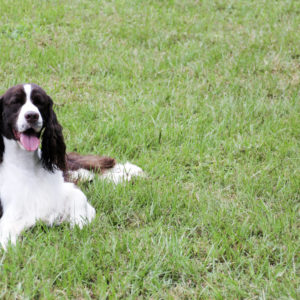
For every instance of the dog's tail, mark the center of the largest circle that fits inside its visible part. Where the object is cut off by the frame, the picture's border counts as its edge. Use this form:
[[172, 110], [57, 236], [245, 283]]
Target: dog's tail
[[84, 168]]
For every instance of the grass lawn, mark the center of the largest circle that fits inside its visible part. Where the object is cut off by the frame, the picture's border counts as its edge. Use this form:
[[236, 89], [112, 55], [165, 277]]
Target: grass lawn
[[204, 96]]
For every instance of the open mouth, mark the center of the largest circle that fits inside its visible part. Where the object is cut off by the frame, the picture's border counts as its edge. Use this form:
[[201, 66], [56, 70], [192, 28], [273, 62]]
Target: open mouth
[[29, 139]]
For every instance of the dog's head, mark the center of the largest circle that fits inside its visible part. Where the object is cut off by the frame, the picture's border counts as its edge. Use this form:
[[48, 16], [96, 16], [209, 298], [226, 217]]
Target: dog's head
[[27, 116]]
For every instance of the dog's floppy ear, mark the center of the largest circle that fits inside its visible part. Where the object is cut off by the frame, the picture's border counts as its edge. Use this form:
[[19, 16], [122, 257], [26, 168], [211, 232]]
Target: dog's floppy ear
[[53, 145], [1, 129]]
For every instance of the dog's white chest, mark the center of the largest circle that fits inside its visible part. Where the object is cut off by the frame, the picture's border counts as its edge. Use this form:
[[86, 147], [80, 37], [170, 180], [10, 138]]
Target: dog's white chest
[[28, 187]]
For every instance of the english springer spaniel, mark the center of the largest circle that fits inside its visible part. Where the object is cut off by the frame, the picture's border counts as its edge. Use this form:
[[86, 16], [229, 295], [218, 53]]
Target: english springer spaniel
[[37, 183]]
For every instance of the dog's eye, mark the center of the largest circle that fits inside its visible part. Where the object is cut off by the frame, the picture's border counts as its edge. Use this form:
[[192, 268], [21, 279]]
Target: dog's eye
[[37, 101], [15, 100]]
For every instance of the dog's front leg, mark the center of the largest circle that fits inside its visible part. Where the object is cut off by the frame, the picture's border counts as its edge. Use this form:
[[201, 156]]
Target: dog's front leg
[[78, 210], [11, 228]]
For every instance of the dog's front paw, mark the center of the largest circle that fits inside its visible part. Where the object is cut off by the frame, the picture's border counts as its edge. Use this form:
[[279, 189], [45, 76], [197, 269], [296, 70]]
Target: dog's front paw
[[83, 216], [7, 236]]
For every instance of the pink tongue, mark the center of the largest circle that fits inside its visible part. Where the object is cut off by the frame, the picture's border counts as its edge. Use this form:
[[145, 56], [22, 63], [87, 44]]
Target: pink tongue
[[29, 142]]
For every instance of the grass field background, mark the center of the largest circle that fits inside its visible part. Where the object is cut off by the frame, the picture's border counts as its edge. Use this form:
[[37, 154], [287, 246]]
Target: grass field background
[[204, 96]]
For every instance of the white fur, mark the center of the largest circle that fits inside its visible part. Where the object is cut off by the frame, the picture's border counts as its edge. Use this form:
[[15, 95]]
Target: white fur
[[22, 124], [122, 172], [81, 175], [118, 174], [29, 193]]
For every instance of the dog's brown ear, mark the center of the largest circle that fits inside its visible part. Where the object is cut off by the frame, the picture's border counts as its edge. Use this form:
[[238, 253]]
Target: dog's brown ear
[[1, 130], [53, 145]]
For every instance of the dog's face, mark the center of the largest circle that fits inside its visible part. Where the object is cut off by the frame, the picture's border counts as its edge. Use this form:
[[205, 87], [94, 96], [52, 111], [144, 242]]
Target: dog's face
[[25, 112], [24, 109]]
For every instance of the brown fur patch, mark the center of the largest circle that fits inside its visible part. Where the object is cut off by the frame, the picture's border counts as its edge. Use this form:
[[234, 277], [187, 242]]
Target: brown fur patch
[[94, 163]]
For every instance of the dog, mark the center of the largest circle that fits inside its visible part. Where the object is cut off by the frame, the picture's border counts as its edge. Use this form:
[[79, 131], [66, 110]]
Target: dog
[[37, 178]]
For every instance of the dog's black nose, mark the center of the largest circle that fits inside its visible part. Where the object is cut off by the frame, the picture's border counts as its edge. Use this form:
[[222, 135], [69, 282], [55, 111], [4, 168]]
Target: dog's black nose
[[31, 117]]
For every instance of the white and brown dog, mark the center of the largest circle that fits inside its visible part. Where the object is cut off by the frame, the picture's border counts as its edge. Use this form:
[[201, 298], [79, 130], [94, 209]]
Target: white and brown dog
[[36, 183]]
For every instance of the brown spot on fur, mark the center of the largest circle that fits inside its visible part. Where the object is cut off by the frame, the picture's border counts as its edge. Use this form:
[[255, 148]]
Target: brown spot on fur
[[94, 163]]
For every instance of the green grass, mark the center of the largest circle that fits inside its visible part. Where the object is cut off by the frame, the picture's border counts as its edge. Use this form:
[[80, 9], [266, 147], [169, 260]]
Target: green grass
[[204, 96]]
